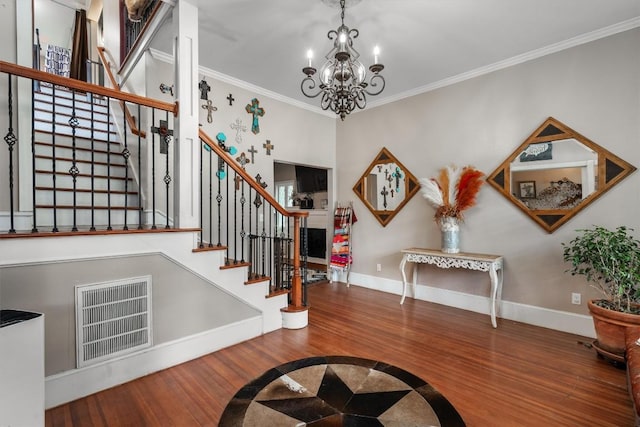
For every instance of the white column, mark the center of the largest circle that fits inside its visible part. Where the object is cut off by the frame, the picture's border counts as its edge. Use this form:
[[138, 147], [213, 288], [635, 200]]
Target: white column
[[186, 142]]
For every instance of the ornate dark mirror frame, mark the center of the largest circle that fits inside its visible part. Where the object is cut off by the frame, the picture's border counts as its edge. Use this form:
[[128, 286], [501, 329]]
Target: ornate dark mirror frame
[[609, 170], [408, 184]]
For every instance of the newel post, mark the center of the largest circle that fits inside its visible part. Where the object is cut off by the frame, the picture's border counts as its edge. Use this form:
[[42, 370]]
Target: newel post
[[296, 315]]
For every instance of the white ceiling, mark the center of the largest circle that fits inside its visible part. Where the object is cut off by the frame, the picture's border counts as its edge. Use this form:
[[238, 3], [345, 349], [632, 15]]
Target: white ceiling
[[423, 43]]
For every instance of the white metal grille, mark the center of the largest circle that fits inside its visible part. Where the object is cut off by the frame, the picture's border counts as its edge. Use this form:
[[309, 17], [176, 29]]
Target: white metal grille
[[112, 319]]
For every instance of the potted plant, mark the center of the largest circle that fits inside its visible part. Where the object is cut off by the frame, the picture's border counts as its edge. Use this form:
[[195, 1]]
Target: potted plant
[[610, 261]]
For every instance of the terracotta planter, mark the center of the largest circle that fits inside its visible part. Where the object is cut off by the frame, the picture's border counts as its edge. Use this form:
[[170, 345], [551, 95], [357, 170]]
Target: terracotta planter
[[610, 326]]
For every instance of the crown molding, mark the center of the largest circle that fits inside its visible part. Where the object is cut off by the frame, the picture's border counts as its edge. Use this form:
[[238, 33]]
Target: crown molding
[[519, 59], [165, 57]]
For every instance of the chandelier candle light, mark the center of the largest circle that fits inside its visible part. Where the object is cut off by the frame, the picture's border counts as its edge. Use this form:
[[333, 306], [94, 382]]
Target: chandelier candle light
[[453, 192], [342, 78]]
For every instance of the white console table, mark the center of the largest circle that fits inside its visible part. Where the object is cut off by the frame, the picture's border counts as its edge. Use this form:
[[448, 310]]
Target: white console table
[[480, 262]]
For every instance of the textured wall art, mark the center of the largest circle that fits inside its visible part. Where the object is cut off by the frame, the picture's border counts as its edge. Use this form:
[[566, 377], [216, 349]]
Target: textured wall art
[[256, 111]]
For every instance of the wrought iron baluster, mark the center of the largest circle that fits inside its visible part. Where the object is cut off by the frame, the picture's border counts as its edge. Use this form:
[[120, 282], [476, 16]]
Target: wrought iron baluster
[[219, 200], [125, 155], [167, 176], [53, 162], [251, 257], [93, 168], [35, 86], [202, 150], [211, 198], [235, 217], [153, 175], [139, 172], [11, 140], [270, 249], [243, 233], [109, 164], [226, 205], [74, 171], [264, 240]]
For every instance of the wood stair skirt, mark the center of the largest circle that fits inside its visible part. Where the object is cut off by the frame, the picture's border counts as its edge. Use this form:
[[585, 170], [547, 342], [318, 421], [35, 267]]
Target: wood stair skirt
[[98, 157]]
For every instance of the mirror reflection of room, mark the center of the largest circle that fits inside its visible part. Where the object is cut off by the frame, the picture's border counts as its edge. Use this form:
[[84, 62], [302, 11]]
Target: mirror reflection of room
[[554, 175], [385, 186]]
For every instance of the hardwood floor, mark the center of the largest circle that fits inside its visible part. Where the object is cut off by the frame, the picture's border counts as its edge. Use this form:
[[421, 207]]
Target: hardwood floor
[[515, 375]]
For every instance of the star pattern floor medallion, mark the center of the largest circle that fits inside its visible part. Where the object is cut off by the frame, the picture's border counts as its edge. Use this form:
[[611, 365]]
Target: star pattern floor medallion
[[338, 391]]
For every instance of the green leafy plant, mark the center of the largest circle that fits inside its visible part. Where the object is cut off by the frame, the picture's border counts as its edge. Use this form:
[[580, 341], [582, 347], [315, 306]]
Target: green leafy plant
[[610, 260]]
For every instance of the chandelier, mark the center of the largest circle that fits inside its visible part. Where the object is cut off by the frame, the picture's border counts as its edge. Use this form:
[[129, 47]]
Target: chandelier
[[342, 78]]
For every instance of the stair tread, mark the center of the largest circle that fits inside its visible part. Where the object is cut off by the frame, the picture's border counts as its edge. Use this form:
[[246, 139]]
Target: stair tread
[[69, 159], [84, 207], [105, 141], [87, 190], [84, 175]]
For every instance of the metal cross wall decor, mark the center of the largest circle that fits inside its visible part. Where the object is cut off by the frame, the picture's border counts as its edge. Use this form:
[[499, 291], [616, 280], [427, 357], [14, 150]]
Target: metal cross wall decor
[[210, 109], [238, 127], [243, 160], [204, 89], [166, 134], [256, 111], [268, 146], [230, 98], [253, 151]]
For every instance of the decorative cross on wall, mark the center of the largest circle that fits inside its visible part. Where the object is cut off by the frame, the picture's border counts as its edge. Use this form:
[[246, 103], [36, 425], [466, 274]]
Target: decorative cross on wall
[[166, 133], [268, 146], [238, 127], [256, 111], [260, 182], [384, 194], [253, 151], [397, 175], [204, 89], [237, 180], [231, 99], [210, 109], [243, 160]]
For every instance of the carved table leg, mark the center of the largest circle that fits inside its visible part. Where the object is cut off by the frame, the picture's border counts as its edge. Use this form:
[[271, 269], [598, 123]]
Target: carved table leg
[[404, 278], [496, 289]]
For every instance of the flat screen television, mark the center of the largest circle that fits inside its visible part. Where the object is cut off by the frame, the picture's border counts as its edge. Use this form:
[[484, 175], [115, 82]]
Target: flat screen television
[[311, 180]]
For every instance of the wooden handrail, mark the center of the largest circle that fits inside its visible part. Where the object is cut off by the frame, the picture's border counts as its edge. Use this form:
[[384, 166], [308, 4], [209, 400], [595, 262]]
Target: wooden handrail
[[296, 281], [30, 73], [127, 114]]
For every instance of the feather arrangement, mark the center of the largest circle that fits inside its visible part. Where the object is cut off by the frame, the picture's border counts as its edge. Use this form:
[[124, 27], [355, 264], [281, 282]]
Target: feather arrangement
[[454, 191]]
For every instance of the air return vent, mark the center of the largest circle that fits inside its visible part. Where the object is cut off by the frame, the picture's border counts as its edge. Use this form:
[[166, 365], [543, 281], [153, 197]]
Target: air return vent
[[112, 319]]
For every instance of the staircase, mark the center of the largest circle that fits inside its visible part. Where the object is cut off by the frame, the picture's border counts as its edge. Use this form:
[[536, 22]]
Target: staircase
[[74, 135]]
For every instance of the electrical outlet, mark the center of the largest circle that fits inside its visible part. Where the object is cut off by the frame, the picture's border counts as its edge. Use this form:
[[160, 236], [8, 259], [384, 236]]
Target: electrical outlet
[[378, 267], [576, 298]]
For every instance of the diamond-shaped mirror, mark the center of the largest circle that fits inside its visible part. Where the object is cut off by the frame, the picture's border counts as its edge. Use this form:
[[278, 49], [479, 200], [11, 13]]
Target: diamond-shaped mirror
[[386, 186], [556, 172]]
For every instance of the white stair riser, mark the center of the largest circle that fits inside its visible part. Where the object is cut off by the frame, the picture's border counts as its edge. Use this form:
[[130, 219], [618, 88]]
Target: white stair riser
[[66, 181], [84, 168], [43, 109], [62, 120], [64, 218], [65, 129], [65, 198], [64, 97], [114, 158]]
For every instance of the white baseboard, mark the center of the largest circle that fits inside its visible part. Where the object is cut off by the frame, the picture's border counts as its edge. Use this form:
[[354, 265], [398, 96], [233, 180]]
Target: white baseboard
[[539, 316], [21, 221], [74, 384]]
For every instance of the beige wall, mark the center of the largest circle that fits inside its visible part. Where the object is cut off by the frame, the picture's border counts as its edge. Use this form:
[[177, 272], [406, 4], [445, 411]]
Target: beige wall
[[593, 88]]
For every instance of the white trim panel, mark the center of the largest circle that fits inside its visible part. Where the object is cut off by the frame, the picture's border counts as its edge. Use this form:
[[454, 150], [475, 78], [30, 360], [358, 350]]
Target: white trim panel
[[74, 384]]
